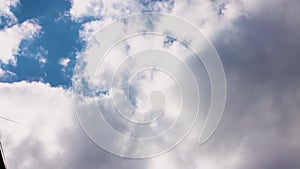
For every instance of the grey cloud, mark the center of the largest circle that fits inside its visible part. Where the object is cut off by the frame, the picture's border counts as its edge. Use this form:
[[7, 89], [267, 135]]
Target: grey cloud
[[80, 152], [261, 120], [260, 56]]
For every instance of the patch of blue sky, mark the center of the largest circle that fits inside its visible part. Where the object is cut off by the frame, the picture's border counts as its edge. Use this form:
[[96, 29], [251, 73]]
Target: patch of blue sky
[[5, 21], [59, 37]]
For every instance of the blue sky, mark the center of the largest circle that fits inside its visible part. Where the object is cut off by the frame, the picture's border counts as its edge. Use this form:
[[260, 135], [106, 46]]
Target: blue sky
[[43, 41], [60, 38]]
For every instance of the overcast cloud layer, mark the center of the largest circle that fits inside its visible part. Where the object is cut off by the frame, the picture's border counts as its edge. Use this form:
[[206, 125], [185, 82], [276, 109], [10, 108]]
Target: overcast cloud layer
[[258, 42]]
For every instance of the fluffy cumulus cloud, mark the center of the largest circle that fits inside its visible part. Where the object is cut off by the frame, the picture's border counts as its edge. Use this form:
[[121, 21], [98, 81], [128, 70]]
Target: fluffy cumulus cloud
[[45, 132], [89, 28], [256, 41], [13, 33], [36, 112], [64, 62], [83, 9], [99, 9], [114, 9], [6, 15], [209, 16], [11, 37]]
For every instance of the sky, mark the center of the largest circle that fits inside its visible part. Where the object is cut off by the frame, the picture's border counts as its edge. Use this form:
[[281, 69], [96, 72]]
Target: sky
[[52, 85]]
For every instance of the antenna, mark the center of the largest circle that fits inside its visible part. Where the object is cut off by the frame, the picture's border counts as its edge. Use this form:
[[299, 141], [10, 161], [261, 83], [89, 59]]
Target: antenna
[[2, 161], [13, 121], [4, 118]]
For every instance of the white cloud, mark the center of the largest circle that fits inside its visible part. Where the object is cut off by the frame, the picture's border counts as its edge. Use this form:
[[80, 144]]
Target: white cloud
[[11, 37], [115, 9], [48, 130], [5, 74], [42, 112], [86, 8], [89, 28], [211, 17], [1, 72], [64, 62], [91, 57], [6, 13], [5, 6], [42, 60]]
